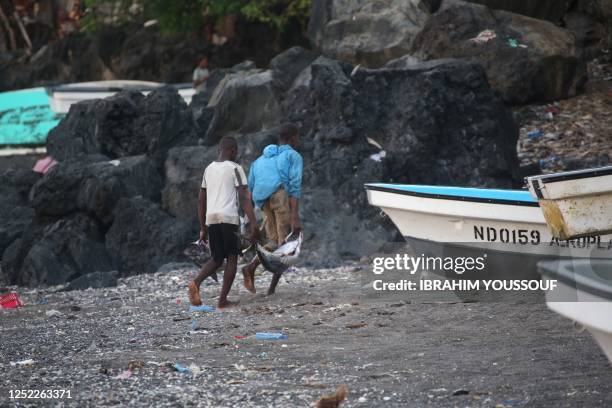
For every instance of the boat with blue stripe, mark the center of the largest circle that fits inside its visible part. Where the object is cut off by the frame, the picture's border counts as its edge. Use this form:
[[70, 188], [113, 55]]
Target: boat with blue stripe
[[507, 225]]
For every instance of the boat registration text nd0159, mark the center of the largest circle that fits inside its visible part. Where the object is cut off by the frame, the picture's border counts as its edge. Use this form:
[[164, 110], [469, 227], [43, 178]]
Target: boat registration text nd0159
[[507, 235]]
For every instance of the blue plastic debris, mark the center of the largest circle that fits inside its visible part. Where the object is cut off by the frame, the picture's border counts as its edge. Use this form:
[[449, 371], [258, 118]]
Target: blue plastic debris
[[534, 134], [181, 369], [194, 325], [513, 43], [202, 308], [270, 336]]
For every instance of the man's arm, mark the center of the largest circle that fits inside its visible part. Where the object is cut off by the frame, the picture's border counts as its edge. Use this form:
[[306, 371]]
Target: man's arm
[[295, 190], [247, 206], [202, 213]]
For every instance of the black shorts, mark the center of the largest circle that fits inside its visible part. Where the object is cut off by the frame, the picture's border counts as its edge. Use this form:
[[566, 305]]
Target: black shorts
[[224, 241]]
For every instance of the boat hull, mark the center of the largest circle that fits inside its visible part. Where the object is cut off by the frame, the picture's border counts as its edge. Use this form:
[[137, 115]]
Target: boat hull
[[513, 234], [62, 97], [584, 295]]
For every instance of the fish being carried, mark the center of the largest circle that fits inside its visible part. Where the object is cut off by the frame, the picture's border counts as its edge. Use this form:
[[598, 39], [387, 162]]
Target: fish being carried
[[283, 257]]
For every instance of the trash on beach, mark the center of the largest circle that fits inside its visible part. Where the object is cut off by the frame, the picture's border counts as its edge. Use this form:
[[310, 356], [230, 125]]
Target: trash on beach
[[354, 71], [270, 336], [44, 165], [124, 375], [374, 143], [377, 157], [484, 37], [240, 337], [333, 400], [180, 368], [23, 363], [513, 43], [282, 258], [202, 308], [53, 313], [10, 301], [356, 325], [534, 134], [460, 392]]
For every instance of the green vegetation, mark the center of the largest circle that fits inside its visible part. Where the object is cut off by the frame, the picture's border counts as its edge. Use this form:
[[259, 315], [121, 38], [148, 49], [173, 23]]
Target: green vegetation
[[188, 15]]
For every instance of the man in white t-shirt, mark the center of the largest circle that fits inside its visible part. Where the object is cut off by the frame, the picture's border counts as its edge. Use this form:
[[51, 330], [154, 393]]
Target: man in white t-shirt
[[200, 75], [224, 182]]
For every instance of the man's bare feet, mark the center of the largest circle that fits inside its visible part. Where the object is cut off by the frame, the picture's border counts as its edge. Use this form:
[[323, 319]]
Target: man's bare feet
[[226, 305], [194, 294], [248, 273]]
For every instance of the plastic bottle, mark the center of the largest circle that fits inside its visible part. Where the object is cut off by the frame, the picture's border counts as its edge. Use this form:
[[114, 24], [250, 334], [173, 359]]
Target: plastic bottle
[[270, 336]]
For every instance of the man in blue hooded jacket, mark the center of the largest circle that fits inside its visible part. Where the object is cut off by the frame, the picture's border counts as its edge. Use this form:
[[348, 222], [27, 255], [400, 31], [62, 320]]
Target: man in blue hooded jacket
[[275, 181]]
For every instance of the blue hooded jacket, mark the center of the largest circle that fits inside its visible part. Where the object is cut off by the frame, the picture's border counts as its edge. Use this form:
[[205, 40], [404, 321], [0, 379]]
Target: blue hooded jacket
[[278, 165]]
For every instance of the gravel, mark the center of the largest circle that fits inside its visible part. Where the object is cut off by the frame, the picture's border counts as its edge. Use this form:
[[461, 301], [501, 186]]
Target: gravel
[[118, 346]]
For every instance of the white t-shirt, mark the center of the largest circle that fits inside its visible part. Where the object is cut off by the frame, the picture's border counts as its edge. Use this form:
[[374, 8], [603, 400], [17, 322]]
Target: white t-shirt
[[220, 181], [199, 74]]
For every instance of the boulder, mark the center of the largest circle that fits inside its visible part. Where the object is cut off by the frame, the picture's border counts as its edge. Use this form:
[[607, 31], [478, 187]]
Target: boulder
[[13, 221], [15, 214], [438, 122], [143, 237], [93, 186], [551, 10], [184, 169], [528, 60], [15, 186], [287, 65], [367, 32], [56, 253], [126, 124], [94, 280], [244, 103]]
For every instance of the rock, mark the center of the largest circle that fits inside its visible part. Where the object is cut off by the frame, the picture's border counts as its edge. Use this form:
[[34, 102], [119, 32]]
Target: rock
[[202, 114], [143, 237], [439, 123], [287, 65], [15, 185], [588, 32], [243, 103], [551, 10], [529, 60], [13, 221], [184, 170], [94, 280], [95, 187], [56, 253], [244, 66], [126, 124], [367, 32]]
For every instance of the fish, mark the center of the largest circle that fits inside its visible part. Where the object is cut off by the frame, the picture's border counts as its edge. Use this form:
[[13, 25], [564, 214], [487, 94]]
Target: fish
[[283, 257], [199, 253]]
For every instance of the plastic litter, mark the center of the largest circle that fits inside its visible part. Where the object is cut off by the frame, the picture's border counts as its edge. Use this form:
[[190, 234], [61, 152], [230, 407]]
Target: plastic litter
[[10, 301], [180, 368], [124, 375], [44, 165], [53, 313], [26, 363], [202, 308], [377, 157], [484, 37], [513, 43], [534, 134], [240, 337], [270, 336]]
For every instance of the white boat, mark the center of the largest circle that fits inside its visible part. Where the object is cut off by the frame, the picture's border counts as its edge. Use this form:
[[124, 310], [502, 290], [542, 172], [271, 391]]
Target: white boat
[[505, 226], [584, 295], [61, 97], [575, 203]]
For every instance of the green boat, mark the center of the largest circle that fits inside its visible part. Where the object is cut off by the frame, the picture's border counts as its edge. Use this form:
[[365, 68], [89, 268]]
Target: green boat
[[26, 117]]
